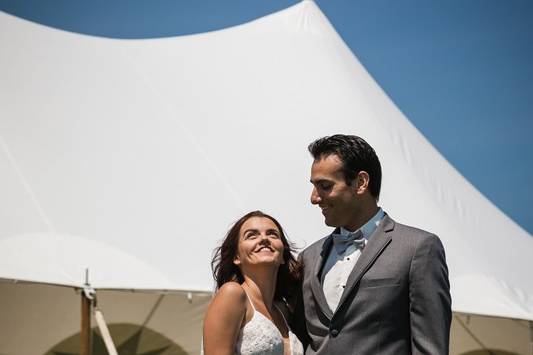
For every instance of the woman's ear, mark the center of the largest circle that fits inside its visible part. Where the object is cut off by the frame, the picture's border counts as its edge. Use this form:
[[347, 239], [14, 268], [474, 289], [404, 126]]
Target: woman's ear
[[237, 261]]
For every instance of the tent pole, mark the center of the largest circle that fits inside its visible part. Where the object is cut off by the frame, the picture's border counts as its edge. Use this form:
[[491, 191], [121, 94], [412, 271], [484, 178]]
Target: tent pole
[[87, 297], [85, 335], [531, 337]]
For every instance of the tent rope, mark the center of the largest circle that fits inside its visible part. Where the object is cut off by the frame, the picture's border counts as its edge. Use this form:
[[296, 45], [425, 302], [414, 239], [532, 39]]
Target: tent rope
[[152, 311], [170, 108], [104, 332], [26, 186], [476, 339]]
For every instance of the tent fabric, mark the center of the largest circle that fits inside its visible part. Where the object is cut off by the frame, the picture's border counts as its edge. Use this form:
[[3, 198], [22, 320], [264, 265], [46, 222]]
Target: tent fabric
[[69, 260], [50, 316], [152, 148]]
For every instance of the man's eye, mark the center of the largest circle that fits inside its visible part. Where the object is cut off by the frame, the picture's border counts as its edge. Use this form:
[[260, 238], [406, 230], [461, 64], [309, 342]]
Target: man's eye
[[325, 186]]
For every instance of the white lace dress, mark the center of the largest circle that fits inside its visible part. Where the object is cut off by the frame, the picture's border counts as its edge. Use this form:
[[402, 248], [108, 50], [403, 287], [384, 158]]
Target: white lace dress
[[261, 337]]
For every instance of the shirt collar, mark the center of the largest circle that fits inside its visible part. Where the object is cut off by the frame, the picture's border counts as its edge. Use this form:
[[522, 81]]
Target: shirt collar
[[369, 227]]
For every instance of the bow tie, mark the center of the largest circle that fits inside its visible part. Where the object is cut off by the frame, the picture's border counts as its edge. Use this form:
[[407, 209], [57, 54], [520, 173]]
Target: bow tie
[[342, 242]]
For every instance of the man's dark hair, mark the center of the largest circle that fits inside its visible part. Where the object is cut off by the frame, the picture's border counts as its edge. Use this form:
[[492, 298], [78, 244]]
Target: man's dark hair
[[355, 154]]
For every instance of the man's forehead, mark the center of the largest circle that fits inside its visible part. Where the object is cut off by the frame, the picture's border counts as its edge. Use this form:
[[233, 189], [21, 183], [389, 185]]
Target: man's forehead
[[329, 163], [328, 157], [326, 168]]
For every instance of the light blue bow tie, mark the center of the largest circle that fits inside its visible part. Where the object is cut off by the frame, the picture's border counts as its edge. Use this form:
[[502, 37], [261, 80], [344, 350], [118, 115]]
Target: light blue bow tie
[[342, 242]]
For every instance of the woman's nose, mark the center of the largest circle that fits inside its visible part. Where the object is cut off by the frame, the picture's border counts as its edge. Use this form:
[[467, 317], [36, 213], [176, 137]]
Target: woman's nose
[[264, 238]]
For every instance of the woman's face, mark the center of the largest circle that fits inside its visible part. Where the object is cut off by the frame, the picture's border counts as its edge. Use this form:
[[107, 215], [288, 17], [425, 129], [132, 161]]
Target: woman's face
[[259, 243]]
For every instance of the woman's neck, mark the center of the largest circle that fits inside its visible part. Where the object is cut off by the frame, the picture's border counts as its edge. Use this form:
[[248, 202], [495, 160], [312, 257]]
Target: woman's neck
[[261, 286]]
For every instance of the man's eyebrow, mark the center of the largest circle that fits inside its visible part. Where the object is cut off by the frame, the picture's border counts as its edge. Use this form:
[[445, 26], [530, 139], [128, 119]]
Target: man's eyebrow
[[318, 181]]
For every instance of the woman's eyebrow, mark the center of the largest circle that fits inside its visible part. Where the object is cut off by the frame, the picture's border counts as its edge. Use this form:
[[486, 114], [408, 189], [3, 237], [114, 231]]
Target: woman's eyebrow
[[250, 230]]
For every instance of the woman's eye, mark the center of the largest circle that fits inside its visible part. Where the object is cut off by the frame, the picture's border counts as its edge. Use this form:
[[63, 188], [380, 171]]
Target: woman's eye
[[250, 236], [274, 234]]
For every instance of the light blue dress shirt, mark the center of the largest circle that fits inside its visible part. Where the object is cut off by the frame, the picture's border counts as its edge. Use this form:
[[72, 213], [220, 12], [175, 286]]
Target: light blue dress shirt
[[338, 267]]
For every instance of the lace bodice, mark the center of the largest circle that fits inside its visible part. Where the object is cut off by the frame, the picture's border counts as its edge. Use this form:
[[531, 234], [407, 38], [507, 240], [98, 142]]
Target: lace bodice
[[261, 337]]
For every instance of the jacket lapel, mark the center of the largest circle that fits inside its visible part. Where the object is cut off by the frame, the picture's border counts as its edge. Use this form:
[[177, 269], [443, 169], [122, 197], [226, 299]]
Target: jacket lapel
[[376, 243], [316, 286]]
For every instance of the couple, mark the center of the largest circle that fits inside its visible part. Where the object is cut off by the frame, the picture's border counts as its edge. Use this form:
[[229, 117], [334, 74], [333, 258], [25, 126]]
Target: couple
[[373, 286]]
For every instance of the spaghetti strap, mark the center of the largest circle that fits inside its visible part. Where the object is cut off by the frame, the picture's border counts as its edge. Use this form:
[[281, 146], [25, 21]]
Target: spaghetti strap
[[250, 300], [260, 335], [283, 316]]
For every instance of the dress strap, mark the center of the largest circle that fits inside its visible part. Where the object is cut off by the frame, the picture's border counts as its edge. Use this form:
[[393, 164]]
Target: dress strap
[[283, 316], [249, 299]]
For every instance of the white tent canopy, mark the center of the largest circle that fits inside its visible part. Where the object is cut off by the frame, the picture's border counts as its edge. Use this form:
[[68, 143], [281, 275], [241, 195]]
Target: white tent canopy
[[131, 158]]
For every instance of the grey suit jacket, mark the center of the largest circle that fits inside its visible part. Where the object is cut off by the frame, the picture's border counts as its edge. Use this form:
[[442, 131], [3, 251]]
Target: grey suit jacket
[[396, 301]]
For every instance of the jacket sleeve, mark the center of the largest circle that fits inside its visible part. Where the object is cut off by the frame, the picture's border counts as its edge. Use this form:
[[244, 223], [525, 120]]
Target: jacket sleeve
[[430, 300]]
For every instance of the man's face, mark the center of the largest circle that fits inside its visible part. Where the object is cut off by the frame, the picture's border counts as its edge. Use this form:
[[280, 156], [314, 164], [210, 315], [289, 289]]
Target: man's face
[[339, 202]]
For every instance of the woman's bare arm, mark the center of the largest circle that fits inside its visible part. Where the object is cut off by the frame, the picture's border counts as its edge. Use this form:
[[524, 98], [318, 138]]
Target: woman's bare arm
[[223, 320]]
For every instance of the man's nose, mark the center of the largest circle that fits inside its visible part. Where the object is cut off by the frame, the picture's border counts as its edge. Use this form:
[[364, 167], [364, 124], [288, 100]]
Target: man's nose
[[315, 198]]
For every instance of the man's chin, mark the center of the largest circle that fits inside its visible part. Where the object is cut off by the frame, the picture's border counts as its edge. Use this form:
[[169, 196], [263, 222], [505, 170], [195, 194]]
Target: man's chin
[[330, 223]]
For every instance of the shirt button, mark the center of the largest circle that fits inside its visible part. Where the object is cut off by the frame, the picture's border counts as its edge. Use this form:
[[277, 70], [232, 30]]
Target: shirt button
[[334, 332]]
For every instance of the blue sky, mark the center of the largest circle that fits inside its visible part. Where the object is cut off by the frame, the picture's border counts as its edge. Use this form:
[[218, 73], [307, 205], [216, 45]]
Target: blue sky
[[461, 71]]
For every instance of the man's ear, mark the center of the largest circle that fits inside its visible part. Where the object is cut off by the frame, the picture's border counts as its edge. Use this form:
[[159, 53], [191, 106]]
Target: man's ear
[[361, 182]]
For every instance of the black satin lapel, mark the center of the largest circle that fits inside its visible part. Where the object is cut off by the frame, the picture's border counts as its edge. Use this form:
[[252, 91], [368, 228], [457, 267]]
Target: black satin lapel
[[378, 241], [316, 287]]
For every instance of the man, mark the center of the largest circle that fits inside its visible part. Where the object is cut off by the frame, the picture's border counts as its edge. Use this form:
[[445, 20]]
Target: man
[[374, 286]]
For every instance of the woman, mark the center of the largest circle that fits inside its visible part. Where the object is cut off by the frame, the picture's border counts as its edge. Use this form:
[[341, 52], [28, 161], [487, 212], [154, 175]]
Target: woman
[[255, 273]]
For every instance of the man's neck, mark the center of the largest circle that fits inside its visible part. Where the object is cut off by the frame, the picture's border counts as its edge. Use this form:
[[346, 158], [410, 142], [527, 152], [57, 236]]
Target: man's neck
[[362, 218]]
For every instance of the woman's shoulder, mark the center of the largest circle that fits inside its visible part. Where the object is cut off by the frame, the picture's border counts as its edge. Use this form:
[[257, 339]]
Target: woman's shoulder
[[224, 318], [228, 304], [231, 293], [233, 289]]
